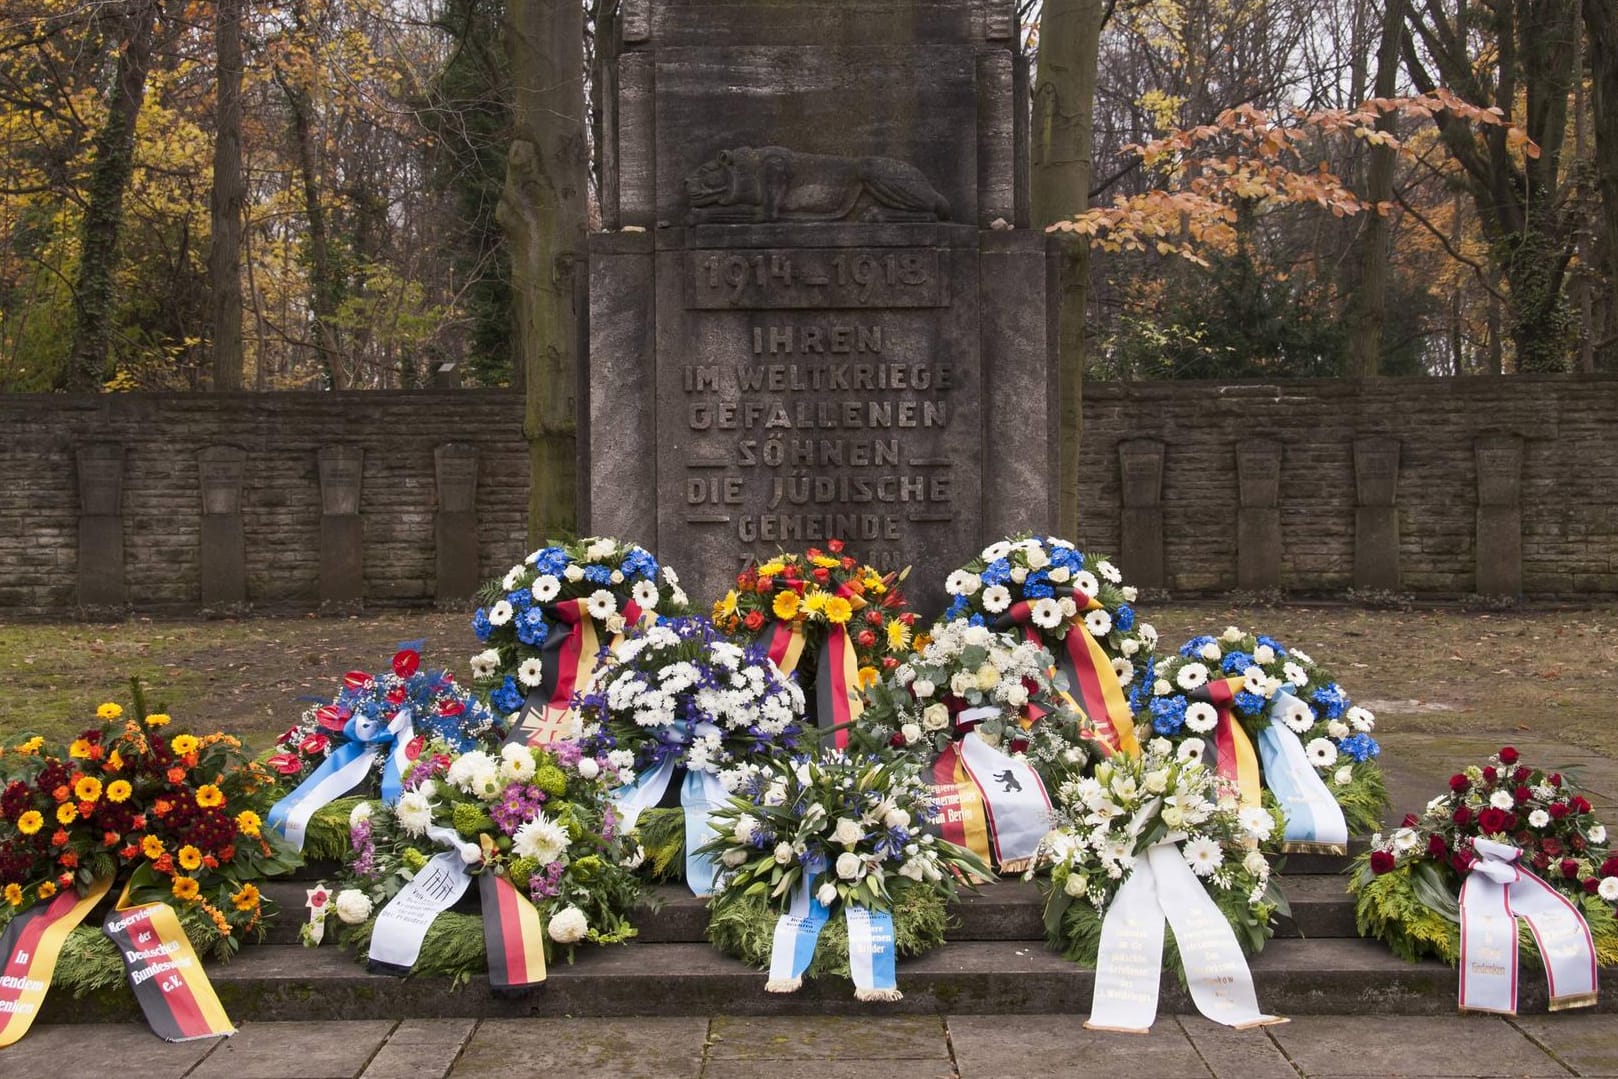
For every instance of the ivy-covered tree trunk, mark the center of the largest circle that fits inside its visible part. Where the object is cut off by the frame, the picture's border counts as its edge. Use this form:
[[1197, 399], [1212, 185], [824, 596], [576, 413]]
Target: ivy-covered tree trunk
[[1062, 160], [114, 162], [1370, 299], [543, 212], [224, 252], [1601, 23]]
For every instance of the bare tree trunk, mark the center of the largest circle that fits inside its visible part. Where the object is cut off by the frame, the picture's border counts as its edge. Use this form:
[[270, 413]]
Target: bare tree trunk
[[1601, 23], [1062, 158], [543, 213], [1370, 300], [225, 252], [86, 368]]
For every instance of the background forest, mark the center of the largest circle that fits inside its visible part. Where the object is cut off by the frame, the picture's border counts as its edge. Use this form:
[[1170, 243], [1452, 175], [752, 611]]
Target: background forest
[[302, 194]]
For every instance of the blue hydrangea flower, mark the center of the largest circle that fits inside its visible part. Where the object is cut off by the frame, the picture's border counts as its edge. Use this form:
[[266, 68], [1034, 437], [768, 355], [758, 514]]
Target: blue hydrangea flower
[[1168, 714], [1236, 662], [531, 627], [957, 608], [509, 697], [996, 572], [639, 563], [1279, 648], [1191, 648], [1124, 617], [1362, 747], [976, 620], [1250, 703], [1331, 699], [1142, 685], [1037, 585], [598, 574], [520, 599], [480, 624], [551, 560]]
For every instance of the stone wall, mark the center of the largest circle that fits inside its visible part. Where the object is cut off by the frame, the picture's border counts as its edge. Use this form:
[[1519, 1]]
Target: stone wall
[[1307, 513]]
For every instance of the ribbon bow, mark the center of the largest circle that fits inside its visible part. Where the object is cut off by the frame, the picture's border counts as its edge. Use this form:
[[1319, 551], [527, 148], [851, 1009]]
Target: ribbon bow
[[1496, 893], [346, 768], [700, 794], [1234, 756], [1315, 821]]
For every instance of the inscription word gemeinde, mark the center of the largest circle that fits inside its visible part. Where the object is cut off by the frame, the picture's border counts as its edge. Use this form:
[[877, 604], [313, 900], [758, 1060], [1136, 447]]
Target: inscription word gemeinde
[[820, 425]]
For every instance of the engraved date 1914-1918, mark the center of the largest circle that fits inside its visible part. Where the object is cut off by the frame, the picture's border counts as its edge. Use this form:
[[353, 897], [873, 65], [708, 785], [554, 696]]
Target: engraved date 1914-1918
[[815, 277]]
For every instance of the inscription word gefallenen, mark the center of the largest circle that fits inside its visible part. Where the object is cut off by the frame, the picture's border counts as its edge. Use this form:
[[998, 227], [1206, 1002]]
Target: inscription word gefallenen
[[823, 410]]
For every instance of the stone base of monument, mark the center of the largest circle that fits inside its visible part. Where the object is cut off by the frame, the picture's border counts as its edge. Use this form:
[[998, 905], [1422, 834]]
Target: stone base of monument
[[995, 962]]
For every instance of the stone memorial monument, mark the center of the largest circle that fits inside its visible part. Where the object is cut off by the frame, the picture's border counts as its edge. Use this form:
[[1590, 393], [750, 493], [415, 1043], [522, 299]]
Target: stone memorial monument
[[813, 313]]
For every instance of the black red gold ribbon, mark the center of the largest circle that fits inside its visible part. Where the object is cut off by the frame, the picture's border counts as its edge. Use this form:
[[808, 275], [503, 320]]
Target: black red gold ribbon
[[30, 946], [1234, 755], [165, 973]]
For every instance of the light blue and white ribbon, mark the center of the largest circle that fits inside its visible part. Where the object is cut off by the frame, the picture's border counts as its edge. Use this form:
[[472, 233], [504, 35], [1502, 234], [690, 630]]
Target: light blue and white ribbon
[[872, 955], [346, 768], [700, 795], [1314, 819]]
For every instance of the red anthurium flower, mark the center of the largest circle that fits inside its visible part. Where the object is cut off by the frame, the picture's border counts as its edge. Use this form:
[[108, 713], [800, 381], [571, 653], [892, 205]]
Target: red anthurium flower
[[315, 743], [396, 695], [451, 707], [414, 747], [286, 763], [356, 679], [406, 662], [332, 717]]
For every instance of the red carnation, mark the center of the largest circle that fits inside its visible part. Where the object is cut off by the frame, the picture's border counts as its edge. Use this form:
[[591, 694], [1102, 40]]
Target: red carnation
[[1508, 755], [1570, 868], [1493, 821], [1558, 810], [1541, 861], [406, 662], [1381, 861], [1522, 794], [1551, 846], [1554, 779], [1577, 843], [1609, 868]]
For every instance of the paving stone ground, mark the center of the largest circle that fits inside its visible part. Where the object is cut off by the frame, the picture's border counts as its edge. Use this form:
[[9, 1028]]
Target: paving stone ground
[[946, 1047]]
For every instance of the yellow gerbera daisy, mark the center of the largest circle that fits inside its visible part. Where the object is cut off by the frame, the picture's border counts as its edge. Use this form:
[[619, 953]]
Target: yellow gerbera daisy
[[786, 605], [119, 790], [838, 610], [248, 823], [246, 899], [183, 744], [47, 889], [14, 894], [190, 857], [109, 711], [32, 745], [79, 750], [825, 563], [67, 813], [152, 847], [868, 677], [185, 888], [87, 789], [30, 822], [157, 719], [209, 796], [115, 761]]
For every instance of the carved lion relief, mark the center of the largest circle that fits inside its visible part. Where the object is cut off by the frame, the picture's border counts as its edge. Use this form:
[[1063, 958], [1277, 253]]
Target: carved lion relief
[[756, 185]]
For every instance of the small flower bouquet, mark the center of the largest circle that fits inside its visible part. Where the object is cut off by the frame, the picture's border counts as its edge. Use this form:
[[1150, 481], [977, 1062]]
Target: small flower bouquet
[[980, 714], [361, 742], [544, 623], [539, 819], [809, 838], [683, 711], [1408, 886], [1078, 607], [149, 815], [1220, 695], [1107, 821], [850, 620]]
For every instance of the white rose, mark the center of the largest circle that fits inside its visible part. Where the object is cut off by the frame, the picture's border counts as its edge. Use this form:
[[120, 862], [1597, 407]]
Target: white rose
[[1263, 654], [922, 687], [573, 572], [1161, 688], [1077, 884], [849, 866], [1210, 651], [1130, 593], [568, 926], [353, 906], [1019, 574], [1231, 635], [847, 832], [1016, 694], [1156, 782], [826, 894], [1129, 647], [1344, 775], [784, 854], [1256, 864], [1337, 729], [896, 818], [935, 717], [911, 733]]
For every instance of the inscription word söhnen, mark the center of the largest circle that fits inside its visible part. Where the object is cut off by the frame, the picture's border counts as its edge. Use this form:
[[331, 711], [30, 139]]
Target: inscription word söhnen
[[815, 425]]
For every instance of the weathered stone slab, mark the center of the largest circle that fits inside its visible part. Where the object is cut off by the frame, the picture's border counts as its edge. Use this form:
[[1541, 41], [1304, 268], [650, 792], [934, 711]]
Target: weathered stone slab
[[87, 1048], [998, 1048], [342, 530], [1238, 1054], [647, 1048], [1584, 1041], [1140, 553], [455, 525], [223, 555], [420, 1049], [101, 580], [621, 402], [841, 1038], [1499, 533], [295, 1050], [1481, 1046], [1376, 516], [1258, 517]]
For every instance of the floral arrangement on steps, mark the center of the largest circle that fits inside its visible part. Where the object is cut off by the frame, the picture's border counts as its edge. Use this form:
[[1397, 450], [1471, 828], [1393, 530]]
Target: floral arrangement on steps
[[546, 621], [685, 713], [1269, 718], [157, 826], [536, 819], [1077, 607], [834, 621], [360, 743], [980, 716], [1149, 839], [1408, 886], [806, 840]]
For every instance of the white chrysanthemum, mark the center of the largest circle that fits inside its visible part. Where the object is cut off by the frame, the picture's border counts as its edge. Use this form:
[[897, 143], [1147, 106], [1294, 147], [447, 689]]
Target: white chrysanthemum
[[541, 839], [568, 926], [517, 763], [499, 613], [1502, 800], [962, 583], [485, 663], [359, 814], [1257, 822], [1191, 750], [587, 768], [1203, 855], [1124, 669], [1046, 613], [1099, 622], [352, 905], [645, 595], [1191, 676], [1322, 753], [1597, 834], [1297, 716], [1608, 889], [1361, 719], [996, 598], [1201, 717], [414, 813], [1538, 818], [463, 770], [1085, 581], [531, 672], [602, 604]]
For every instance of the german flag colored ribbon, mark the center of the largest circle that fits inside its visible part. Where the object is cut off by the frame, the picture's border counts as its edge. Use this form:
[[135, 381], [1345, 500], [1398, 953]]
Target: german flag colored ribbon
[[1093, 687], [962, 819], [30, 945], [512, 934], [164, 972], [1234, 755], [566, 661], [784, 645]]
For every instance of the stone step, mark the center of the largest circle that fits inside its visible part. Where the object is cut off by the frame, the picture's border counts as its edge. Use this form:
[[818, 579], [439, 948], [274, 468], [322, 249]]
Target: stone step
[[1008, 910], [1293, 977]]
